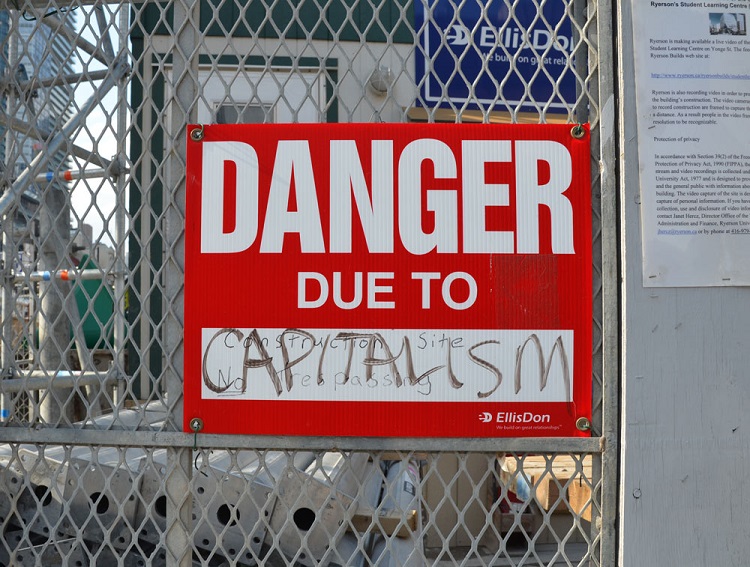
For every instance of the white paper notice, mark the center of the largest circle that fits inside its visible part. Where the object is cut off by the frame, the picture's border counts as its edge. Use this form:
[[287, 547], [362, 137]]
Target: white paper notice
[[693, 98]]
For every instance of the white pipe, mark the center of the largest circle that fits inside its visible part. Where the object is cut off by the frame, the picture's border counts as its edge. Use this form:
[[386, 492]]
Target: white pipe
[[71, 175], [42, 380], [63, 275]]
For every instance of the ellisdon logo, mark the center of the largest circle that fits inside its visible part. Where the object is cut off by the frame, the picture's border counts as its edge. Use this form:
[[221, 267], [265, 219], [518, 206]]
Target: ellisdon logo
[[509, 37], [514, 417]]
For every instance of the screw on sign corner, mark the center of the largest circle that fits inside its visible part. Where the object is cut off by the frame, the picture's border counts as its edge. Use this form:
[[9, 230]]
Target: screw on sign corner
[[196, 134], [196, 424]]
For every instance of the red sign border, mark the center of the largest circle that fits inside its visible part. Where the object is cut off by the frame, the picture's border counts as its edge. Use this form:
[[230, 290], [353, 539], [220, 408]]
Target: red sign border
[[368, 419]]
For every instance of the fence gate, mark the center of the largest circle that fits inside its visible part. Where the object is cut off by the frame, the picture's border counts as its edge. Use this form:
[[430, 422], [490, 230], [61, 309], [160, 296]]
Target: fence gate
[[96, 101]]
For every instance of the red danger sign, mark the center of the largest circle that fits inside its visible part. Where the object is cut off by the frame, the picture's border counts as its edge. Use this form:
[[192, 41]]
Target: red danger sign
[[393, 280]]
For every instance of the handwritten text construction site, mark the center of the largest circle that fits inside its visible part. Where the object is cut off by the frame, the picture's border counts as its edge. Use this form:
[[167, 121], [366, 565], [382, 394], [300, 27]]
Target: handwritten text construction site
[[394, 365], [360, 279]]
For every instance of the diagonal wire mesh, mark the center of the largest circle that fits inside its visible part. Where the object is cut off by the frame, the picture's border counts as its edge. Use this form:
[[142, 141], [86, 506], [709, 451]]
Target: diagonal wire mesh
[[96, 98]]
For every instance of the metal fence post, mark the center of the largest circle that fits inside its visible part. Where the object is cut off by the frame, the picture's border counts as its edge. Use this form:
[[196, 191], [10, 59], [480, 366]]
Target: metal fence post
[[120, 208], [6, 400], [9, 252], [54, 326], [182, 106], [610, 278]]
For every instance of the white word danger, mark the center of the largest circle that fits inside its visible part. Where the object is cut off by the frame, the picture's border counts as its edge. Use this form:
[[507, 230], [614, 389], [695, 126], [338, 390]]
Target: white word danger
[[374, 195]]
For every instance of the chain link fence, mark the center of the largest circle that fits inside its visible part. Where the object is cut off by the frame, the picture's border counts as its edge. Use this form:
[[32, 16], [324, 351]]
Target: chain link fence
[[94, 468]]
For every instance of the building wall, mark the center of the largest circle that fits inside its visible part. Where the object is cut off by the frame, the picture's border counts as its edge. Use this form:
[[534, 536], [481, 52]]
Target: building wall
[[685, 497]]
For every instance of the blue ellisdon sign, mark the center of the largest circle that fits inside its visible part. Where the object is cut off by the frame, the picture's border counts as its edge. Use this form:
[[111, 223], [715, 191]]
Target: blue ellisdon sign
[[481, 53]]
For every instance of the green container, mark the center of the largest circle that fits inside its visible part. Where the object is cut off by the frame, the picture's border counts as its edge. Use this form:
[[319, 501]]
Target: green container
[[96, 304]]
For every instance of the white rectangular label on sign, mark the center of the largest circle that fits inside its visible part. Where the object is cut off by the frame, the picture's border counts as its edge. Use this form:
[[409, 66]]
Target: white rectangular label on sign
[[395, 365]]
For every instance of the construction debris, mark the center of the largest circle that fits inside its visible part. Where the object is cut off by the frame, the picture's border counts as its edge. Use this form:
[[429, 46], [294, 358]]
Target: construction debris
[[94, 505]]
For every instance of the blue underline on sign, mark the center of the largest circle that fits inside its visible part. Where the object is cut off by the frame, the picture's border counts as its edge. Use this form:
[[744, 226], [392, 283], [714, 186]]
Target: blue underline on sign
[[723, 76]]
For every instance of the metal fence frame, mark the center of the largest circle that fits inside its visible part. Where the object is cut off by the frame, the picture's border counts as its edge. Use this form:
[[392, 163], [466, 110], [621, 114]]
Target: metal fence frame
[[598, 17]]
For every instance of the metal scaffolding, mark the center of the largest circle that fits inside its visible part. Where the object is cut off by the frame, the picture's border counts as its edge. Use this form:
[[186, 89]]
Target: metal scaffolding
[[44, 179]]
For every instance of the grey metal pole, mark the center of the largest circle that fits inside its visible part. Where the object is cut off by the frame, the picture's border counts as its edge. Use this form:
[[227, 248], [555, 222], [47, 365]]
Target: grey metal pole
[[41, 380], [64, 275], [70, 175], [9, 246], [182, 105], [60, 140], [56, 404], [57, 26], [120, 208], [610, 281], [34, 131], [6, 343]]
